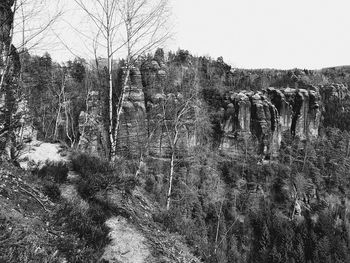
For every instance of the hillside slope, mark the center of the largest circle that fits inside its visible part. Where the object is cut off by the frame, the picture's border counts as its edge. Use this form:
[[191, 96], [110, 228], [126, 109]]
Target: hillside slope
[[36, 228]]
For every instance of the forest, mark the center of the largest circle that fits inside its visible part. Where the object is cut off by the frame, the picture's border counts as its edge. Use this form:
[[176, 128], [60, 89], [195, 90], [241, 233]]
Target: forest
[[207, 162]]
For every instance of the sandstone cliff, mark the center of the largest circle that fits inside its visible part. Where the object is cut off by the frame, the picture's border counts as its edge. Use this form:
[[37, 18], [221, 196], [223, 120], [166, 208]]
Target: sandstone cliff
[[260, 118], [131, 136], [264, 116]]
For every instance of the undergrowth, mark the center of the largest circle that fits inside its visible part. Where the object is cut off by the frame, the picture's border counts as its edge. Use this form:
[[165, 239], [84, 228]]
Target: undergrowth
[[89, 233], [87, 164], [98, 174], [52, 174], [53, 171], [52, 190]]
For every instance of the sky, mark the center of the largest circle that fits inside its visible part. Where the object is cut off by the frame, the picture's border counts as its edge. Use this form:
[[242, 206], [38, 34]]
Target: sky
[[247, 33]]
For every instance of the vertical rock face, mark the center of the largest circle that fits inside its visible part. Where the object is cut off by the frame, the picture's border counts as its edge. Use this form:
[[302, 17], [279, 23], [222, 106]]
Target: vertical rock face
[[248, 119], [263, 117], [153, 79], [299, 110], [132, 131], [162, 88]]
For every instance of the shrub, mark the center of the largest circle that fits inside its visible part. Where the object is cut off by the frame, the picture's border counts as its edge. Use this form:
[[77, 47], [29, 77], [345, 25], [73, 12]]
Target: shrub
[[86, 164], [52, 191], [56, 171], [96, 174], [74, 251], [89, 184], [88, 226]]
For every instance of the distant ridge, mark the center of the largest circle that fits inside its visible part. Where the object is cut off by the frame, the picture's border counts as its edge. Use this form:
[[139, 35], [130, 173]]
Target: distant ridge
[[344, 67]]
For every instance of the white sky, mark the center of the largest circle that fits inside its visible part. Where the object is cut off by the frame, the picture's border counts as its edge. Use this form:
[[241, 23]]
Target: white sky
[[249, 33]]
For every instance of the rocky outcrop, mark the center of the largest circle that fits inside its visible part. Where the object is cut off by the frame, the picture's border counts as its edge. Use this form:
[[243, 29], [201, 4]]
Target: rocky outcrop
[[255, 119], [164, 99], [154, 76], [263, 117], [132, 132], [299, 110]]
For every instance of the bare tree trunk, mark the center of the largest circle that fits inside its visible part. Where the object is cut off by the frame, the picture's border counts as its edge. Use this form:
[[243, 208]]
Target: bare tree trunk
[[67, 121], [112, 137], [7, 48], [59, 108], [72, 128], [171, 177], [119, 111], [65, 104], [8, 55], [172, 165], [82, 132], [217, 228]]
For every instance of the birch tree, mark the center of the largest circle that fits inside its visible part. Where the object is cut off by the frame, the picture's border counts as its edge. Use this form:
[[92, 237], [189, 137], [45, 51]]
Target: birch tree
[[129, 28], [177, 113]]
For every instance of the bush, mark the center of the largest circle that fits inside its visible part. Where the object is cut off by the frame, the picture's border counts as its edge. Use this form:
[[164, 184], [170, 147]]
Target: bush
[[96, 174], [54, 171], [89, 184], [74, 251], [89, 226], [86, 164], [52, 191]]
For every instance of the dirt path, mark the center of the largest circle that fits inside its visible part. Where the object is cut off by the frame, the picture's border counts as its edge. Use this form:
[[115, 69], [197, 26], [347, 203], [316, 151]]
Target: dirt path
[[128, 245]]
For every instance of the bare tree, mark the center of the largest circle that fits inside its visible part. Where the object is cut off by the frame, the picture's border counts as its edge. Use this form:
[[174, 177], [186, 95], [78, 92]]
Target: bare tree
[[33, 23], [7, 48], [175, 115], [9, 62], [23, 25], [130, 28], [61, 103]]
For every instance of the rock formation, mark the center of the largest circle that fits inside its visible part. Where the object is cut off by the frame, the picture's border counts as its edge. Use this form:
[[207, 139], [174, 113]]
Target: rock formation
[[264, 116], [132, 129], [257, 119], [153, 79], [164, 99]]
